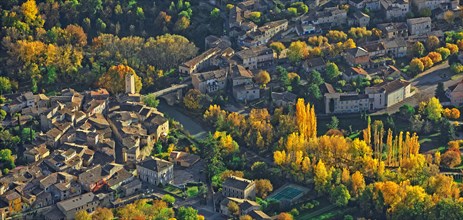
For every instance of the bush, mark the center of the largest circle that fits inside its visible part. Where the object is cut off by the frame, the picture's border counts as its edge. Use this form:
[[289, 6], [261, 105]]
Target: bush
[[192, 192]]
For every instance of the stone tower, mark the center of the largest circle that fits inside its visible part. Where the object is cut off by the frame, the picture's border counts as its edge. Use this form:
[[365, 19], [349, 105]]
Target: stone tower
[[130, 84]]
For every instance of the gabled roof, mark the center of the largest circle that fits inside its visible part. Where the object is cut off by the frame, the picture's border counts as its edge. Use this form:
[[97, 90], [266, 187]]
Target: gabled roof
[[357, 52], [457, 90], [237, 183], [258, 215], [389, 87], [76, 202], [155, 164], [358, 71]]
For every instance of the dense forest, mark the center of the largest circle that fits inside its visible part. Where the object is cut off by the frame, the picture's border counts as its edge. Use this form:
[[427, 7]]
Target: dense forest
[[58, 43]]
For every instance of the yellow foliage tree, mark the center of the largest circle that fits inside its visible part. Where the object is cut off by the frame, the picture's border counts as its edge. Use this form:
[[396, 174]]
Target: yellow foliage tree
[[114, 79]]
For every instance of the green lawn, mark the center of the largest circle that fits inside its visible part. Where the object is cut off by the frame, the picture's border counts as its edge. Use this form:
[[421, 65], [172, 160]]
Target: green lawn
[[173, 190], [323, 207]]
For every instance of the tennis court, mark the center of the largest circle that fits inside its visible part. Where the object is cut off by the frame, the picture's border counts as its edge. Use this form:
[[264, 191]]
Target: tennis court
[[289, 192]]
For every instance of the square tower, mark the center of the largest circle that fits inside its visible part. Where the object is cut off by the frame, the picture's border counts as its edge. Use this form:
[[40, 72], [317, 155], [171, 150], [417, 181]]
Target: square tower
[[130, 84]]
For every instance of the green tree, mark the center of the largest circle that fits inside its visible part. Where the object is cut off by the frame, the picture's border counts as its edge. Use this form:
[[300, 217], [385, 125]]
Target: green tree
[[5, 85], [168, 198], [314, 91], [418, 49], [187, 213], [316, 78], [255, 16], [332, 70], [215, 13], [27, 135], [334, 123], [444, 52], [150, 100], [340, 195]]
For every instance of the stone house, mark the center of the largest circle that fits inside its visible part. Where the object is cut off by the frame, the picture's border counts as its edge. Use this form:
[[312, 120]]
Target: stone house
[[357, 56], [211, 81], [395, 9], [455, 94], [387, 94], [156, 171], [418, 26], [255, 57], [393, 30], [239, 188], [88, 202]]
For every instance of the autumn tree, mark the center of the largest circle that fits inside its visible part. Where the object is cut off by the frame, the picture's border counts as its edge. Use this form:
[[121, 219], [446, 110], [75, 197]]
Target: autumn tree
[[277, 47], [318, 41], [452, 47], [255, 16], [246, 217], [193, 100], [77, 35], [114, 79], [297, 51], [226, 142], [181, 24], [306, 119], [83, 215], [233, 208], [433, 109], [416, 65], [322, 177], [418, 49], [263, 77], [432, 42], [358, 183], [427, 62], [168, 51], [349, 44], [336, 36], [359, 32], [102, 214], [284, 216], [435, 57], [449, 16], [444, 52], [451, 158], [30, 11], [263, 187]]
